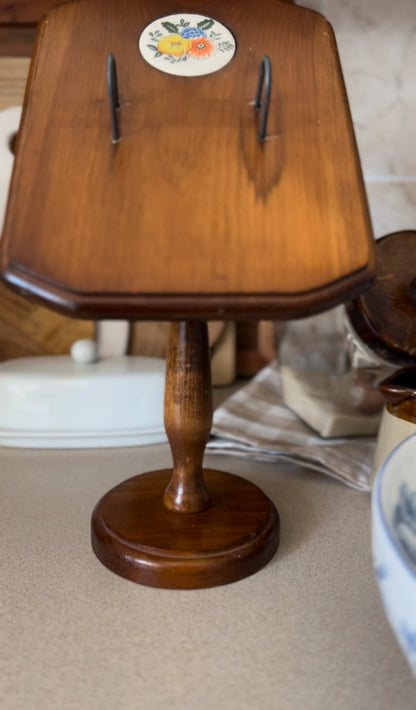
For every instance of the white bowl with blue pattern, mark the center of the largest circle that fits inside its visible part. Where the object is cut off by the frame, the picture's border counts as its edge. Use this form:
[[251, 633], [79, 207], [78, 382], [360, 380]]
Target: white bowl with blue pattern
[[394, 542]]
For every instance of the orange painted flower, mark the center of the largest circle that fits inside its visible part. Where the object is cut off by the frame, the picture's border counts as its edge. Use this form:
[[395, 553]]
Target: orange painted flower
[[174, 44], [201, 47]]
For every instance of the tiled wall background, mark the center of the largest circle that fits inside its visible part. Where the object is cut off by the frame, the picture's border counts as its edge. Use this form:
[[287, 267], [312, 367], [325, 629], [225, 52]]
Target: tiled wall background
[[377, 45]]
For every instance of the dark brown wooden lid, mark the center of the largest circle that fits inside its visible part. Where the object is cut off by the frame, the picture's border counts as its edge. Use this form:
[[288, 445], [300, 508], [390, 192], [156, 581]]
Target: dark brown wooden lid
[[385, 316], [189, 214]]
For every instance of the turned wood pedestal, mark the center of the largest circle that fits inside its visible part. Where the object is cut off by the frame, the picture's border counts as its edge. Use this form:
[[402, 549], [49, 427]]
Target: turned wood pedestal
[[188, 527]]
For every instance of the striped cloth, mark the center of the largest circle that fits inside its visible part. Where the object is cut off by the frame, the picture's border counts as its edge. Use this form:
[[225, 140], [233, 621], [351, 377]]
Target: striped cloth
[[254, 422]]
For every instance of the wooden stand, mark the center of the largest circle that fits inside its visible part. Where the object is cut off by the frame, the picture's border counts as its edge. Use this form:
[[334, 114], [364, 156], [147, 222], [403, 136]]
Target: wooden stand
[[187, 527], [144, 195]]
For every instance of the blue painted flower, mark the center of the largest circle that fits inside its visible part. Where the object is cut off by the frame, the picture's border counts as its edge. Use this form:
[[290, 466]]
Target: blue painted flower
[[192, 32]]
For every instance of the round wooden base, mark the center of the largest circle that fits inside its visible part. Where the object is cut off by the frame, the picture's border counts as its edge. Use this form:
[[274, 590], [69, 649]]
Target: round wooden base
[[134, 535]]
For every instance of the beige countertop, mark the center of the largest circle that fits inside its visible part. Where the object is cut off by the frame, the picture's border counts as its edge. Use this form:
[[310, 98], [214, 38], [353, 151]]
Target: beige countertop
[[307, 631]]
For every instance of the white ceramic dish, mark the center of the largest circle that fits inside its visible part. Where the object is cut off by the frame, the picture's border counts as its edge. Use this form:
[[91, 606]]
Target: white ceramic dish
[[394, 542], [56, 402]]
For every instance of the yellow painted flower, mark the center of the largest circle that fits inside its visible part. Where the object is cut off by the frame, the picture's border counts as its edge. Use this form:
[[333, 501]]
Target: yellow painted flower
[[174, 44]]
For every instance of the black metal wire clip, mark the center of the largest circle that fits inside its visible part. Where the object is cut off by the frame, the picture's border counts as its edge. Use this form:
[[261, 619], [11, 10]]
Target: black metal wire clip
[[262, 99], [113, 97]]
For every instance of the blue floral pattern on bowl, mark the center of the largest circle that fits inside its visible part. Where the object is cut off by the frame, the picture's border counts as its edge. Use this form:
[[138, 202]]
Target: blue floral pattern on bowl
[[404, 521], [394, 542]]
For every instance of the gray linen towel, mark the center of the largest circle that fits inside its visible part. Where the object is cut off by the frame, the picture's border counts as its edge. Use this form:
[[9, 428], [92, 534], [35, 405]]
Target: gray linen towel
[[255, 422]]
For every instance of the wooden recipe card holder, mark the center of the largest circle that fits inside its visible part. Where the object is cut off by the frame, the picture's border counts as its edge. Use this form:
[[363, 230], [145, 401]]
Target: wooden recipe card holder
[[188, 161]]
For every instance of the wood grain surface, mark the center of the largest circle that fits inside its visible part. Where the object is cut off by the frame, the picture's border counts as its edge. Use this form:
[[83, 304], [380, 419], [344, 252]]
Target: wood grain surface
[[189, 214], [185, 527], [188, 415], [135, 536], [27, 328]]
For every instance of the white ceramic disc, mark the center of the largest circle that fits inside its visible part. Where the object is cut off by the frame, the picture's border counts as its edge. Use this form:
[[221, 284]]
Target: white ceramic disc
[[187, 45]]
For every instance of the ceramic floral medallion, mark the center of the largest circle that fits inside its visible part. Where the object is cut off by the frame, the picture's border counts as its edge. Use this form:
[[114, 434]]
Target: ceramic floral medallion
[[187, 45]]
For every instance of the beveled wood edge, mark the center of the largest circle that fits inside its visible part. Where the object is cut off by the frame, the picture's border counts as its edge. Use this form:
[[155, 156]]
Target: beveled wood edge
[[145, 561], [209, 306]]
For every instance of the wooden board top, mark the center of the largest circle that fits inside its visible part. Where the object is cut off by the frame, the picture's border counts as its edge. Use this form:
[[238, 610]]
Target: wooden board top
[[189, 214]]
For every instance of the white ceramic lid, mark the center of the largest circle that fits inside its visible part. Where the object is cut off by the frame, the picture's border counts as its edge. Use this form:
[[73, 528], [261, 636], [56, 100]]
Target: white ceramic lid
[[55, 402]]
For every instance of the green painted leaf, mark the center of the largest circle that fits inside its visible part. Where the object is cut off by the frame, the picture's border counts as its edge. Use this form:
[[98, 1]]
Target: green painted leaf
[[170, 27], [152, 47], [205, 24]]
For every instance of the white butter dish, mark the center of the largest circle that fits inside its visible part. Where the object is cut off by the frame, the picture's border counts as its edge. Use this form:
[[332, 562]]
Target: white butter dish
[[56, 402]]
